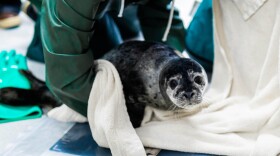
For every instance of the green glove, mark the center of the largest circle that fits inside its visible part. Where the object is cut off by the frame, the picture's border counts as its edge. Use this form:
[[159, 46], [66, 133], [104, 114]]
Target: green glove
[[12, 113], [10, 64]]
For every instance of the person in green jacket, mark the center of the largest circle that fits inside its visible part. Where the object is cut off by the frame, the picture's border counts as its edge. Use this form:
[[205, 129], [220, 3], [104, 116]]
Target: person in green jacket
[[75, 33]]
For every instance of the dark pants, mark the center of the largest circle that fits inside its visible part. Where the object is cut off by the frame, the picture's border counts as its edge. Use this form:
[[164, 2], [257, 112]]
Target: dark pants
[[10, 2], [10, 6]]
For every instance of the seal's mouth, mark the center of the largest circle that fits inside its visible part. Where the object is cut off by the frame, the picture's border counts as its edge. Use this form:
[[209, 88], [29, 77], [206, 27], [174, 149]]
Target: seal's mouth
[[187, 103], [184, 101]]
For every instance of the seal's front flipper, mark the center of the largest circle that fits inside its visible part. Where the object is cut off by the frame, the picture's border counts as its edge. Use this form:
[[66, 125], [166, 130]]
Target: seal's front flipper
[[136, 113]]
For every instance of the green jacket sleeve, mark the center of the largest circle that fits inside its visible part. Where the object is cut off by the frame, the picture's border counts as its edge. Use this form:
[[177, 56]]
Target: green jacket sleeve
[[66, 30]]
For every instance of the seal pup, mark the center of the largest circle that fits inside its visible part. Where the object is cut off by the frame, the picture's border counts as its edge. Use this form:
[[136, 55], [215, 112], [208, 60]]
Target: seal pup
[[153, 74]]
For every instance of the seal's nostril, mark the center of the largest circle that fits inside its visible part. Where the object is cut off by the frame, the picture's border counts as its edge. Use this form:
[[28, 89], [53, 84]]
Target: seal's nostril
[[189, 95], [192, 94]]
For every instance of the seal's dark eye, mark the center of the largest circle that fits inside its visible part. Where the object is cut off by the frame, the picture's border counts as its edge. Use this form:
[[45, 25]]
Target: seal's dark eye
[[173, 84], [198, 80]]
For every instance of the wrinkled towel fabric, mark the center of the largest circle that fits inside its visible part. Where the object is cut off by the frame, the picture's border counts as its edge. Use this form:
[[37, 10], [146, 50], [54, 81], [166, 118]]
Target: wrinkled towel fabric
[[107, 115], [64, 113], [243, 117]]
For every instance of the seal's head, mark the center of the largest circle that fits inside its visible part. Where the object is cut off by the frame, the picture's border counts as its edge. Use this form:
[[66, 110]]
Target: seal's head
[[183, 82]]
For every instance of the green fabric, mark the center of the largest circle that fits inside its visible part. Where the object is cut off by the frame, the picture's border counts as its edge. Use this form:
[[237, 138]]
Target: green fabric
[[68, 56], [36, 3], [128, 25], [35, 49], [67, 28], [199, 36], [153, 18], [105, 31], [10, 63]]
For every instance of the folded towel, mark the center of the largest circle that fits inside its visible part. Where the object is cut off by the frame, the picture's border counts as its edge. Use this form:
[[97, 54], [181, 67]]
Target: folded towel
[[65, 114], [107, 114]]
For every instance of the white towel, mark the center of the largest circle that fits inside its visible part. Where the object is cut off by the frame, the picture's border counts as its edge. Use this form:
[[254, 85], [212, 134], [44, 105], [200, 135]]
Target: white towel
[[107, 115], [65, 114], [244, 113]]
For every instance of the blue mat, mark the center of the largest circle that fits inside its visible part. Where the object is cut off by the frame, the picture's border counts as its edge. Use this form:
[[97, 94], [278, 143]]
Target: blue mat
[[78, 141]]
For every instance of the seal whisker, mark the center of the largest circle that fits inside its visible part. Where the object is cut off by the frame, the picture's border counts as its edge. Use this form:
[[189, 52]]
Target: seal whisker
[[176, 114], [174, 108], [170, 108], [205, 101]]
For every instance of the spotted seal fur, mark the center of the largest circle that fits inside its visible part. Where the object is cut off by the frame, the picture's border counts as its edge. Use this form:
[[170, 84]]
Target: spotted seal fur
[[153, 74]]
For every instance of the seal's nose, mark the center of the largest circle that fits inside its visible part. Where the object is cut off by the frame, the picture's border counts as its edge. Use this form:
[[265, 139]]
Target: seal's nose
[[189, 95]]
